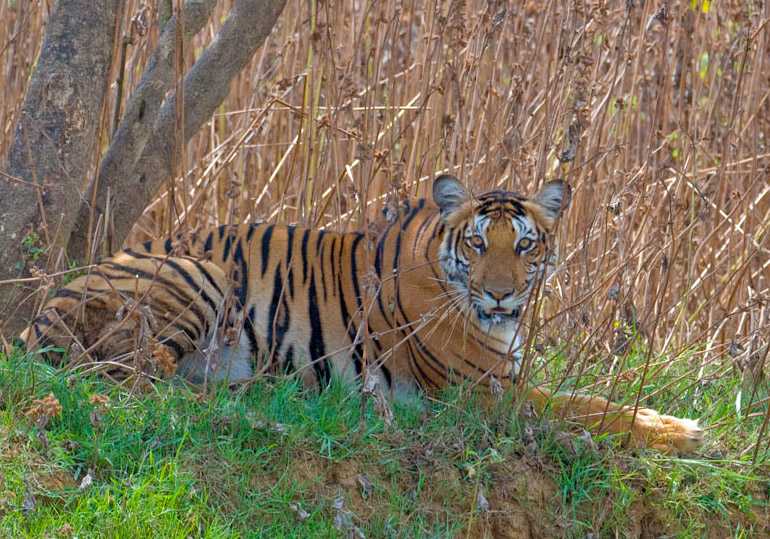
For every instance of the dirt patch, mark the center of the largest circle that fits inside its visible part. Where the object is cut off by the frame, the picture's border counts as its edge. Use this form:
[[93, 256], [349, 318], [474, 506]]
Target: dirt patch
[[515, 499], [521, 501]]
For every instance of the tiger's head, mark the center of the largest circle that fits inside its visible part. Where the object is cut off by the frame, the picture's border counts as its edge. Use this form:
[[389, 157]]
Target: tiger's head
[[495, 244]]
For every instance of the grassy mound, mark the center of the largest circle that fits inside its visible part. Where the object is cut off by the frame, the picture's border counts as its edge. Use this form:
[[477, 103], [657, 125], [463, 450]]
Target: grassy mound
[[84, 458]]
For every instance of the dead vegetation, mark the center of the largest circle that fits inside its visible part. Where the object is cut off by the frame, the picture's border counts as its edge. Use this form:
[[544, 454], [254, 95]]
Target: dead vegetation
[[657, 113]]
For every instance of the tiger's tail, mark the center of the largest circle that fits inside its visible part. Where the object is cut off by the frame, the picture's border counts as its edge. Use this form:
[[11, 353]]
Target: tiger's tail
[[645, 427]]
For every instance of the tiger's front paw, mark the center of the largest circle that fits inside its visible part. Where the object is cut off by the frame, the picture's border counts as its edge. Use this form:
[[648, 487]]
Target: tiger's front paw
[[666, 433]]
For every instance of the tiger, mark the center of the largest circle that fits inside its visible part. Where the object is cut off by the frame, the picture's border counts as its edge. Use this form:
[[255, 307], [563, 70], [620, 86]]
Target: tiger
[[437, 298]]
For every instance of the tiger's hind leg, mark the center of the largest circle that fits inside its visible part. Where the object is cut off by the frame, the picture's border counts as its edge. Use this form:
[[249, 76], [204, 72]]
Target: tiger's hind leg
[[646, 428], [133, 314]]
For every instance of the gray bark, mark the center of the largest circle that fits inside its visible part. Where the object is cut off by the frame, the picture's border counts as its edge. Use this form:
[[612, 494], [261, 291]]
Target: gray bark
[[133, 171], [142, 111], [55, 142]]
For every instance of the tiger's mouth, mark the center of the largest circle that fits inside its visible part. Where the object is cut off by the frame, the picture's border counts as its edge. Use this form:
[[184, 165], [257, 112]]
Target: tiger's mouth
[[497, 315]]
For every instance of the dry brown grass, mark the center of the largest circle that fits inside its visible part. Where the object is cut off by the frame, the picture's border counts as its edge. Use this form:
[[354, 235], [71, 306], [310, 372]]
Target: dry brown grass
[[656, 113]]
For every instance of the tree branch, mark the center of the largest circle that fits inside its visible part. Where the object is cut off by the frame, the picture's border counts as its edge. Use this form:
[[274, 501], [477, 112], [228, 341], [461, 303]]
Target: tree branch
[[142, 110], [134, 178]]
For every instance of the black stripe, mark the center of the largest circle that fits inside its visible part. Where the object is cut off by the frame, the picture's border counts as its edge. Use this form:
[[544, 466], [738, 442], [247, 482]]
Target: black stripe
[[305, 237], [518, 209], [250, 233], [438, 231], [416, 362], [67, 293], [228, 244], [486, 347], [456, 235], [266, 236], [414, 211], [193, 333], [379, 251], [248, 326], [421, 230], [209, 241], [323, 269], [319, 239], [41, 340], [290, 278], [332, 262], [508, 206], [290, 243], [316, 345], [417, 374], [276, 328], [43, 320], [242, 291], [207, 276], [419, 352], [94, 298], [288, 360], [378, 270], [167, 246], [434, 263], [176, 267], [354, 272], [160, 307], [289, 261], [377, 345], [397, 256], [358, 350], [147, 246], [357, 290], [221, 229]]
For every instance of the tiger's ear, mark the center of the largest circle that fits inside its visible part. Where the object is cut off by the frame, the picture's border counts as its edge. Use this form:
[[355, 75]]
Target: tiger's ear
[[554, 197], [449, 194]]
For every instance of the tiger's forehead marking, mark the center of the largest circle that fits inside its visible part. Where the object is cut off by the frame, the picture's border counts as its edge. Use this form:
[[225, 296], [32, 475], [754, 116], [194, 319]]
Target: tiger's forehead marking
[[500, 201], [497, 205]]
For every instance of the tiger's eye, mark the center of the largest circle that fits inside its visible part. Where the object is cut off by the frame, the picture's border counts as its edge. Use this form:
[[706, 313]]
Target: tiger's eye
[[477, 242], [524, 244]]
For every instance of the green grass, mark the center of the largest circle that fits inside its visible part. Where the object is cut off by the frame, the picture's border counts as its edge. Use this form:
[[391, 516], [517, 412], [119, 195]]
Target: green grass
[[271, 460]]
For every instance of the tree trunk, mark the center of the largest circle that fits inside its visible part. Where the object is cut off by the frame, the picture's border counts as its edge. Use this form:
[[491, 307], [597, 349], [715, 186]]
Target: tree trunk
[[133, 172], [55, 145]]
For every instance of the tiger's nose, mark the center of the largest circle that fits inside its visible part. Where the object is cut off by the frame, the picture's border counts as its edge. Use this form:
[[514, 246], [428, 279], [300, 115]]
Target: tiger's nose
[[498, 295]]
